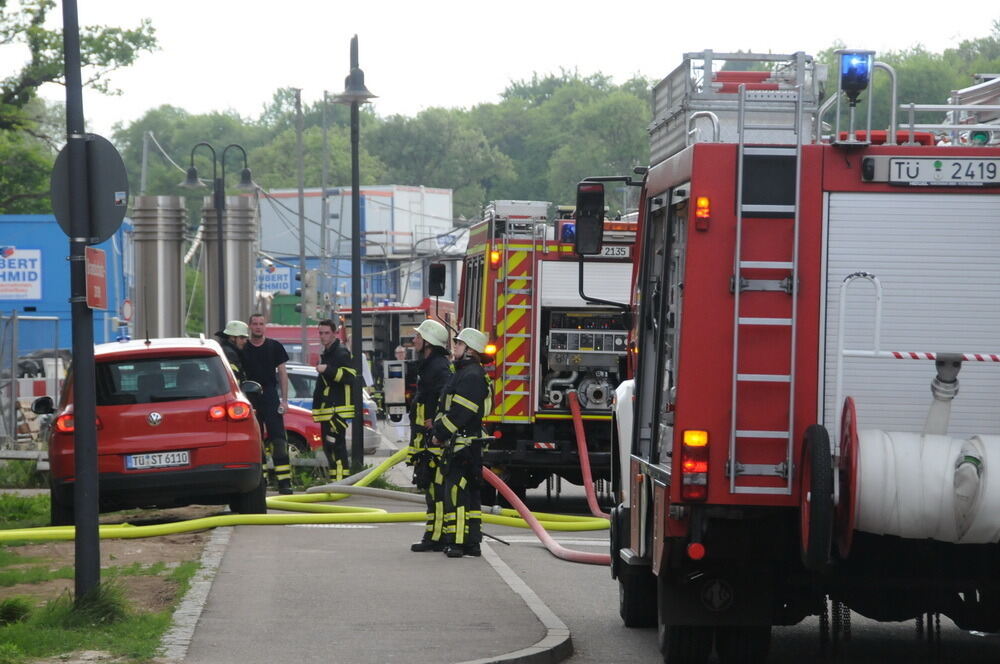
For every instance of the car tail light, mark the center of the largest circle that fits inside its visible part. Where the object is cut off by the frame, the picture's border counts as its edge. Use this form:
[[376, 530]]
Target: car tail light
[[217, 413], [67, 424], [239, 410], [694, 465]]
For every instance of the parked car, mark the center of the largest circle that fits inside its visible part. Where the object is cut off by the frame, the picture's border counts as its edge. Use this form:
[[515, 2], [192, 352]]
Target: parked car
[[173, 428], [302, 381], [303, 434]]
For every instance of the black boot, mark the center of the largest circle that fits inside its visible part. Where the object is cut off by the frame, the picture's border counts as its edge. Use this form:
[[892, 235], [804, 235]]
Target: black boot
[[285, 487], [454, 551], [472, 550], [427, 545]]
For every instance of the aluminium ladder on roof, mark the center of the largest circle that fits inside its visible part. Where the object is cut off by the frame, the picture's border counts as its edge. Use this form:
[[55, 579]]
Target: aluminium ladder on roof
[[776, 309]]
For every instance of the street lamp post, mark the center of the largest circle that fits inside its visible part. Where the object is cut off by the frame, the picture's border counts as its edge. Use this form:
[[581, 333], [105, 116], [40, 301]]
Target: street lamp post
[[355, 93], [219, 203]]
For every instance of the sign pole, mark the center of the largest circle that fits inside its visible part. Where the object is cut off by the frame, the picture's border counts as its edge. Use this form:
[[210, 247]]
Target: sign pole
[[85, 487]]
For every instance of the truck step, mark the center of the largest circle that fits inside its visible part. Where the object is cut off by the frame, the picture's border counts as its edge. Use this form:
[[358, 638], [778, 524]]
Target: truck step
[[764, 378], [765, 321], [747, 433], [766, 265]]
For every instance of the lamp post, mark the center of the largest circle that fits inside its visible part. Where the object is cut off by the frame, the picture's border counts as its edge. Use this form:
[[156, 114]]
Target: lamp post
[[219, 203], [355, 93]]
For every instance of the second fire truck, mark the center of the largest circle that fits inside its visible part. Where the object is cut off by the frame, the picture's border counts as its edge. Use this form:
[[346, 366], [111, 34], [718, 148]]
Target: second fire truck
[[551, 336]]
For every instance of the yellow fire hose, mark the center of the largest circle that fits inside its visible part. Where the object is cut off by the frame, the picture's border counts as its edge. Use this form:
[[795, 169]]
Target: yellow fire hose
[[314, 513]]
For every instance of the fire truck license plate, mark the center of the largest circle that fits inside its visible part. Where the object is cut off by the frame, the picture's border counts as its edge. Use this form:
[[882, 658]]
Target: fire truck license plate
[[945, 172], [615, 251], [157, 460]]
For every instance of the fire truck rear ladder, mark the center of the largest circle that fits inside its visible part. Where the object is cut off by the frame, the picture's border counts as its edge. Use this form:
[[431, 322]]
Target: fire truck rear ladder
[[515, 371], [787, 102]]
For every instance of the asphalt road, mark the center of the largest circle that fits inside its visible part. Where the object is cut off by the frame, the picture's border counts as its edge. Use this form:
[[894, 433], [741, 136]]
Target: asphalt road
[[586, 599]]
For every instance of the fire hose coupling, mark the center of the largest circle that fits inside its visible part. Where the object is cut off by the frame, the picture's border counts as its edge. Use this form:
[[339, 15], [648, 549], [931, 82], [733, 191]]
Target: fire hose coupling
[[944, 387]]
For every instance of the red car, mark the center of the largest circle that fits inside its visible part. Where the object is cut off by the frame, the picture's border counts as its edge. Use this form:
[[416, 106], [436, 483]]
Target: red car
[[173, 429]]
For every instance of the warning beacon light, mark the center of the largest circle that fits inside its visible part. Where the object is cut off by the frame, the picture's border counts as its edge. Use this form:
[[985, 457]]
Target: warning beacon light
[[855, 73]]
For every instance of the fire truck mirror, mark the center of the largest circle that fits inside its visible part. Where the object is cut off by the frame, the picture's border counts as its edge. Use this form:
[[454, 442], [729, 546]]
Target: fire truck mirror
[[435, 279], [589, 218]]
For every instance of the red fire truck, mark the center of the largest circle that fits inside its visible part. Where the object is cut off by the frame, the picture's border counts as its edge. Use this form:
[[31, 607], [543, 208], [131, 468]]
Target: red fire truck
[[553, 334], [780, 456]]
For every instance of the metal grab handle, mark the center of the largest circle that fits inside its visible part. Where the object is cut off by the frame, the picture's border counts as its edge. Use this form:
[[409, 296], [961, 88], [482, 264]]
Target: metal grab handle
[[841, 332]]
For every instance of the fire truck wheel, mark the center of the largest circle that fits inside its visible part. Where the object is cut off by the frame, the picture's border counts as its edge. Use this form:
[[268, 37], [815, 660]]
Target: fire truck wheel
[[742, 644], [816, 499], [680, 644], [637, 598]]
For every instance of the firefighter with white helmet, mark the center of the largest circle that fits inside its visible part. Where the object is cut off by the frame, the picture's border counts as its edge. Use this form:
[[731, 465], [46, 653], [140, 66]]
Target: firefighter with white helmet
[[430, 340], [457, 428]]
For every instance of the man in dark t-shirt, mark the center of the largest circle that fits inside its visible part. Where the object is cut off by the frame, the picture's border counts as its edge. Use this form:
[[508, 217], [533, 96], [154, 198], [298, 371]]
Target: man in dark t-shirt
[[264, 360]]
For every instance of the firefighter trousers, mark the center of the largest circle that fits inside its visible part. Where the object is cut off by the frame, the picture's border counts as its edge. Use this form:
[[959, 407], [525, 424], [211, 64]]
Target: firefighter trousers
[[334, 433], [460, 495]]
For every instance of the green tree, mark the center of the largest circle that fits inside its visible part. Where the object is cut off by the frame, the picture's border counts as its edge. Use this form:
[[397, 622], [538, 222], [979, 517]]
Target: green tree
[[441, 148], [102, 50], [275, 165], [609, 138]]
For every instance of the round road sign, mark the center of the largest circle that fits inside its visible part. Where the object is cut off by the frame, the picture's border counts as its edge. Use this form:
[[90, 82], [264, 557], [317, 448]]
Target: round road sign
[[107, 188]]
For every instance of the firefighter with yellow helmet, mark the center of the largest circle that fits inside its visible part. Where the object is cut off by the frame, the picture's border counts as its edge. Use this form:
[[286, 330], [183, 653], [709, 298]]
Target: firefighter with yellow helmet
[[458, 427], [430, 340]]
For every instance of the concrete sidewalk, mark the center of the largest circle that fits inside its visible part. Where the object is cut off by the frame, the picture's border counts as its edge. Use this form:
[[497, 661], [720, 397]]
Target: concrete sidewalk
[[355, 593]]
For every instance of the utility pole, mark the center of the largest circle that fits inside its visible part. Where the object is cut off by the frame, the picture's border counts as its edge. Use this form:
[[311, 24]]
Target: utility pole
[[302, 221], [324, 220]]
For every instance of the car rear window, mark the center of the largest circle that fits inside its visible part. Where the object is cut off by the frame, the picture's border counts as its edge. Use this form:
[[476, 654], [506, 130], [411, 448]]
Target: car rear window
[[160, 379], [301, 386]]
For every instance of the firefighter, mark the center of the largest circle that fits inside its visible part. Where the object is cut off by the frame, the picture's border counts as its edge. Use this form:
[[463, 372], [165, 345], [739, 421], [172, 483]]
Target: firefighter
[[233, 339], [458, 427], [333, 404], [431, 343]]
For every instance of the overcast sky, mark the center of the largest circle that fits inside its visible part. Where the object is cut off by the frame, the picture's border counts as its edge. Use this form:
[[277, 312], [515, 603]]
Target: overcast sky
[[233, 54]]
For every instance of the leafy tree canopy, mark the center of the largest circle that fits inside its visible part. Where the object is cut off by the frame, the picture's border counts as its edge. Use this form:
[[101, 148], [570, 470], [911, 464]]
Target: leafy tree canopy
[[102, 50]]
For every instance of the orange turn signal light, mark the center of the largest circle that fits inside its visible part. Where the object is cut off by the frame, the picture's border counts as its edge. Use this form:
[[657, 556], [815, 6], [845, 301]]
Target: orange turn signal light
[[702, 207], [694, 438], [494, 258]]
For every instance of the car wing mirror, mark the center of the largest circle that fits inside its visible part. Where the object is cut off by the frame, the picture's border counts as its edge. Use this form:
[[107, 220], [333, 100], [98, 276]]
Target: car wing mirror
[[43, 406], [251, 387]]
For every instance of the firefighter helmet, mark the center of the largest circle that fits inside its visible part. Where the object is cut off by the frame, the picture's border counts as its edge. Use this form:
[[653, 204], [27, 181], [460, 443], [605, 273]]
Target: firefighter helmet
[[433, 333], [236, 328], [473, 338]]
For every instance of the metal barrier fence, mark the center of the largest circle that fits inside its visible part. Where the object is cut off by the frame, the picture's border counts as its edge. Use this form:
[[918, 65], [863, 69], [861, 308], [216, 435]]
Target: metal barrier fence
[[31, 365]]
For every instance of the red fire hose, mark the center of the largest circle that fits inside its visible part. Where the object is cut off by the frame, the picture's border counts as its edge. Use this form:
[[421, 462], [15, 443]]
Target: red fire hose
[[581, 448]]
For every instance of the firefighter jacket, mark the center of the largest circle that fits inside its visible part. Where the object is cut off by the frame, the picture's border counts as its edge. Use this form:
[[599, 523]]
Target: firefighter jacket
[[333, 395], [432, 377], [234, 357], [463, 405]]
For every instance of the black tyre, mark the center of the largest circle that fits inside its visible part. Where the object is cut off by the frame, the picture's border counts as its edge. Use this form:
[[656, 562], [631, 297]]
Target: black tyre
[[296, 445], [816, 502], [251, 502], [743, 644], [637, 598], [681, 644], [61, 505]]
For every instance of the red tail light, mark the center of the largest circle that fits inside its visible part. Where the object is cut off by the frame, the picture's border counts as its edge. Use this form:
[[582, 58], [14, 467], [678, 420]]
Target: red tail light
[[66, 423], [239, 410], [694, 465], [217, 413]]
